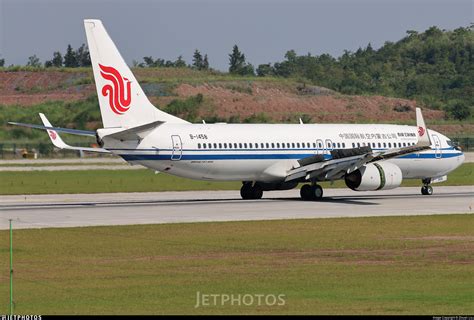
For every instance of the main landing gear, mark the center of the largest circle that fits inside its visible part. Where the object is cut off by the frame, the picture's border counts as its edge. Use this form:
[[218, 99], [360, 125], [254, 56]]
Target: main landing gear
[[251, 191], [311, 192], [426, 190]]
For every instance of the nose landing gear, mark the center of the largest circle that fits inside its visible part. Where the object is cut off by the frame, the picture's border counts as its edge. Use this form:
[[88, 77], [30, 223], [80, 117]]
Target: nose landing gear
[[427, 189]]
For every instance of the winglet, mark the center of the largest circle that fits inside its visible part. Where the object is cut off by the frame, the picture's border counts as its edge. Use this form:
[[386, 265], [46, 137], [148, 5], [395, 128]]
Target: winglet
[[423, 136], [53, 135]]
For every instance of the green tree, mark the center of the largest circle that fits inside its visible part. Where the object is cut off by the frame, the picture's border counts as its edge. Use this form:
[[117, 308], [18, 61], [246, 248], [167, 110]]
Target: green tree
[[237, 64], [57, 60], [458, 110], [83, 56], [149, 62], [33, 61], [70, 59], [236, 60], [197, 60], [152, 63], [247, 70], [136, 64], [264, 70], [435, 67], [2, 62], [205, 63], [180, 63]]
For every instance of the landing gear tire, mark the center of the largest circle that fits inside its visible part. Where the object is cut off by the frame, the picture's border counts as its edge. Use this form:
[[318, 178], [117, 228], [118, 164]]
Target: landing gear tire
[[248, 192], [311, 193], [427, 190], [317, 192], [257, 192], [305, 192]]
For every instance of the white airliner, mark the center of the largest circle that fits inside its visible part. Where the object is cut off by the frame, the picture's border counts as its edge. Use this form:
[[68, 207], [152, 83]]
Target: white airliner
[[263, 156]]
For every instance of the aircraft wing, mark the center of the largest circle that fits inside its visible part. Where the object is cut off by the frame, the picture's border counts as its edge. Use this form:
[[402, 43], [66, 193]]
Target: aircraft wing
[[345, 161]]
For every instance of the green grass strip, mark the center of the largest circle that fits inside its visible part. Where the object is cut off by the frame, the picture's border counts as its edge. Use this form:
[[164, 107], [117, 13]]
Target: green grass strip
[[97, 181]]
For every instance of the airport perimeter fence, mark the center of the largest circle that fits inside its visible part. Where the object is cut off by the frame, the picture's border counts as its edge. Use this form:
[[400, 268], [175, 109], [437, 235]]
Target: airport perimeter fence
[[47, 150], [42, 150]]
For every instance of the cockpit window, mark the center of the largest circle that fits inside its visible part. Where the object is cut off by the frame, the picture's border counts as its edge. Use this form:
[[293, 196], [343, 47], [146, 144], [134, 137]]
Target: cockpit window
[[455, 145]]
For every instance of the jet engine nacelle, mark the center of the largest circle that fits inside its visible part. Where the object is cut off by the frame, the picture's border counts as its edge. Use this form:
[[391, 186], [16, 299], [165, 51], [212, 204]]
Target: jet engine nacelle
[[375, 176]]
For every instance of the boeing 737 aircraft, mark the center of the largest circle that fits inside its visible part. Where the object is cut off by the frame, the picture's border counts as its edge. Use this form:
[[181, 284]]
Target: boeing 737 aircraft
[[264, 157]]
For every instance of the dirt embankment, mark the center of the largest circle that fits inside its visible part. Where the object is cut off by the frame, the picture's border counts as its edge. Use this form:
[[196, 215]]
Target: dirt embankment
[[280, 104], [26, 88], [286, 104]]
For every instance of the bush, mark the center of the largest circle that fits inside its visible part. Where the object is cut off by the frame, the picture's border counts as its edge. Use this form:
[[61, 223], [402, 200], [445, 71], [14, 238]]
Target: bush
[[458, 110], [257, 118], [187, 109], [402, 108]]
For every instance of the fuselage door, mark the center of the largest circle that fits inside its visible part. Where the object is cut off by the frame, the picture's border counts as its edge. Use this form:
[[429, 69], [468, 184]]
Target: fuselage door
[[177, 147], [437, 144]]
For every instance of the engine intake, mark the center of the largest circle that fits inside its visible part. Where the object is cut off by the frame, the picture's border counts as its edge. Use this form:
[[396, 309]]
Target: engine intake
[[375, 176]]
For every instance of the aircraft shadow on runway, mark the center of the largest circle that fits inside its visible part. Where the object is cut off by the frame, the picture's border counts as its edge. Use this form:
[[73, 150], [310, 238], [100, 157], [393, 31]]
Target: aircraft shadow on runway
[[178, 202], [362, 200]]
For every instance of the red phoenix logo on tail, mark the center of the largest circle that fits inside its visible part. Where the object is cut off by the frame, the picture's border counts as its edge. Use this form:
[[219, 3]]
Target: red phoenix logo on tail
[[421, 131], [52, 134], [117, 100]]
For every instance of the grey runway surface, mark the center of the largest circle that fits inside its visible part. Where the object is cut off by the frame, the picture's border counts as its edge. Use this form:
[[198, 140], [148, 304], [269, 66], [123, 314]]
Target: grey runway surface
[[42, 211]]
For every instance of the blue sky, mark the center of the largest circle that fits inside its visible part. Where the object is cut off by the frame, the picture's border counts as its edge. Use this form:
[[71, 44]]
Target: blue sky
[[264, 30]]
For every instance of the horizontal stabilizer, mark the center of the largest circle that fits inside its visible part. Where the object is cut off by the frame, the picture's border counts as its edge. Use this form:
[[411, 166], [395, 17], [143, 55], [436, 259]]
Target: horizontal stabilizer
[[65, 130]]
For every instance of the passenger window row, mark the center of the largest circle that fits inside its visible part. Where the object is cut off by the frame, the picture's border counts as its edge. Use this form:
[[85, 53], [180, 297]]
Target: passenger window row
[[298, 145], [267, 145], [380, 145]]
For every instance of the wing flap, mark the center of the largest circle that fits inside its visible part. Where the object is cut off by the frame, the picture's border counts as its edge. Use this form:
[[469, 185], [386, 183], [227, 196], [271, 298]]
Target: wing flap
[[328, 168]]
